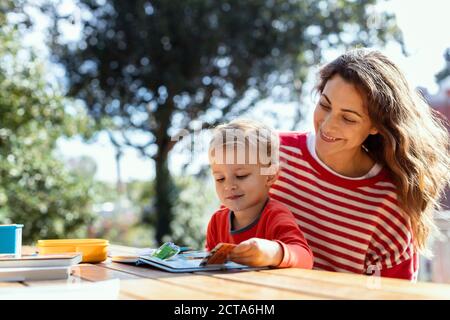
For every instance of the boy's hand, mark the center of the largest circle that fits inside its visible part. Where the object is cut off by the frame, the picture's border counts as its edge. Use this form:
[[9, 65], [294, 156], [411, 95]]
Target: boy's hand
[[256, 252]]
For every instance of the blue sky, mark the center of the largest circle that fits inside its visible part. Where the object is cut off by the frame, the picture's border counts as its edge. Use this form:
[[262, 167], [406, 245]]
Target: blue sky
[[425, 26]]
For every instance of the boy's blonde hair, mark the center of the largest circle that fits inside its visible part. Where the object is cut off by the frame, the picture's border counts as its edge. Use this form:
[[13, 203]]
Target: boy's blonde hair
[[260, 141]]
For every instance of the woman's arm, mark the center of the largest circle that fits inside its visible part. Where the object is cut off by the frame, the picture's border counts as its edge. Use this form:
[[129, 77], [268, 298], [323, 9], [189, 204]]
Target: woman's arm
[[405, 270]]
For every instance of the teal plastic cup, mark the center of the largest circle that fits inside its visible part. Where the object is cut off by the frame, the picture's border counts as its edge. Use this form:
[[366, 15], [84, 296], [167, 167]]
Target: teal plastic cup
[[11, 239]]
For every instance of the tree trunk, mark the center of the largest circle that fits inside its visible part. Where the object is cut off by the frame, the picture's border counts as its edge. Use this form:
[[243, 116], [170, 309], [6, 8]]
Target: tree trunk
[[165, 196], [119, 184], [165, 188]]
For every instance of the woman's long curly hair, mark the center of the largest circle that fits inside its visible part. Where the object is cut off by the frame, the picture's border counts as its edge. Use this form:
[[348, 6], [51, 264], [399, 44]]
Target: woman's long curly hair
[[412, 143]]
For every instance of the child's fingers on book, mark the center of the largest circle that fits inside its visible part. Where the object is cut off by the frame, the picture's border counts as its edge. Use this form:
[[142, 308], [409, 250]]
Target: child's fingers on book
[[248, 261], [240, 255], [240, 260], [243, 247]]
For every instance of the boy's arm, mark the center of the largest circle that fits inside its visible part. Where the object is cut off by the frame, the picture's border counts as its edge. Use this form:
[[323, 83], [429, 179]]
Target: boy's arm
[[294, 248], [295, 256], [257, 252], [211, 234], [288, 247]]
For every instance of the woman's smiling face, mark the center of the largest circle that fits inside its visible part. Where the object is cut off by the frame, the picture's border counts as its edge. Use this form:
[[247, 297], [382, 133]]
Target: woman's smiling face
[[341, 120]]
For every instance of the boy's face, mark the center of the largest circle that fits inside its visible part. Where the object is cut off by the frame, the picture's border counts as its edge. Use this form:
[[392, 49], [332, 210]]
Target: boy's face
[[240, 186]]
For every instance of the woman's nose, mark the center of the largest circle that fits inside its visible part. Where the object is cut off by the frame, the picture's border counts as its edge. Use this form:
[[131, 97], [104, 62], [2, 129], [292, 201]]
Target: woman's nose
[[328, 123]]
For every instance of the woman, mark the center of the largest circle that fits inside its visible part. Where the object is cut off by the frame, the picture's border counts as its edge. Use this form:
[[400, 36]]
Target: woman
[[363, 187]]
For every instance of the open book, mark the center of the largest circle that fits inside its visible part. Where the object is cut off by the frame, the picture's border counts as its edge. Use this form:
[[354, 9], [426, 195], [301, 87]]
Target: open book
[[189, 262]]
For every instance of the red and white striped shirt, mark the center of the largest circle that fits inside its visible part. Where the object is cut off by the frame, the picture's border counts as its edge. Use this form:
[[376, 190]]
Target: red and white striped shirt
[[351, 225]]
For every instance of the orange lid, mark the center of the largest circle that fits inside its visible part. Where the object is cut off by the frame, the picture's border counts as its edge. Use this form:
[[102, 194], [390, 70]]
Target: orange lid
[[72, 242]]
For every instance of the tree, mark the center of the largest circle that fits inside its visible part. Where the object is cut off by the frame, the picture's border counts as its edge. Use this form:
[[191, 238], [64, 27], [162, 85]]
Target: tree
[[35, 187], [155, 66], [83, 166]]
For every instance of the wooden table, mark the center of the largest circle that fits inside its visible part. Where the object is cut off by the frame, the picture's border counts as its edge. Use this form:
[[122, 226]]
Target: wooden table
[[149, 283]]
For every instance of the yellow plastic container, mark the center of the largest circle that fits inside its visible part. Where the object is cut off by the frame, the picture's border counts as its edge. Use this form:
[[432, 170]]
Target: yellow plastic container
[[93, 250]]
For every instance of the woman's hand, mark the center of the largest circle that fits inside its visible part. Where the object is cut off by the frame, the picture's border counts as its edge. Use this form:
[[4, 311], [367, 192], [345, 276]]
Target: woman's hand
[[256, 252]]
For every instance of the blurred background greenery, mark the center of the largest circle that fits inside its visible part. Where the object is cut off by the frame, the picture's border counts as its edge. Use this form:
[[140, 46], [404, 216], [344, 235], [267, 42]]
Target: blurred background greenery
[[143, 72], [150, 68]]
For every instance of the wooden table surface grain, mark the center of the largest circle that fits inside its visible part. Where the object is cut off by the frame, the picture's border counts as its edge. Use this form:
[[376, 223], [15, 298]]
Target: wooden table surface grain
[[145, 282]]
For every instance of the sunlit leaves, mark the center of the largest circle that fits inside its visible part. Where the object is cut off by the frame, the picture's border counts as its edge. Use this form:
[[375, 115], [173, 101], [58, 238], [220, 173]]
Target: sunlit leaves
[[35, 187]]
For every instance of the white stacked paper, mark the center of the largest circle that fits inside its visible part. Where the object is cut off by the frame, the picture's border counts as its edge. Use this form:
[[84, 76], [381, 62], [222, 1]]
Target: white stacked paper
[[33, 274], [38, 267], [102, 290]]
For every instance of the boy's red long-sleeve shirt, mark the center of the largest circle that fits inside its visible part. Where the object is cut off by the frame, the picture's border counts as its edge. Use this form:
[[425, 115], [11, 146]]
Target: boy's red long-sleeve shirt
[[275, 223]]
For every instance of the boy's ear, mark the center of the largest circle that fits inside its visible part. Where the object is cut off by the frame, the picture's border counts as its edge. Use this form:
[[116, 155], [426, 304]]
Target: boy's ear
[[272, 178]]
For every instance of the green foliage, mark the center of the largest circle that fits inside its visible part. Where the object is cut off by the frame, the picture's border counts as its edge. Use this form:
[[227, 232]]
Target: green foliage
[[193, 208], [84, 166], [196, 202], [142, 62], [119, 214], [35, 187], [142, 193]]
